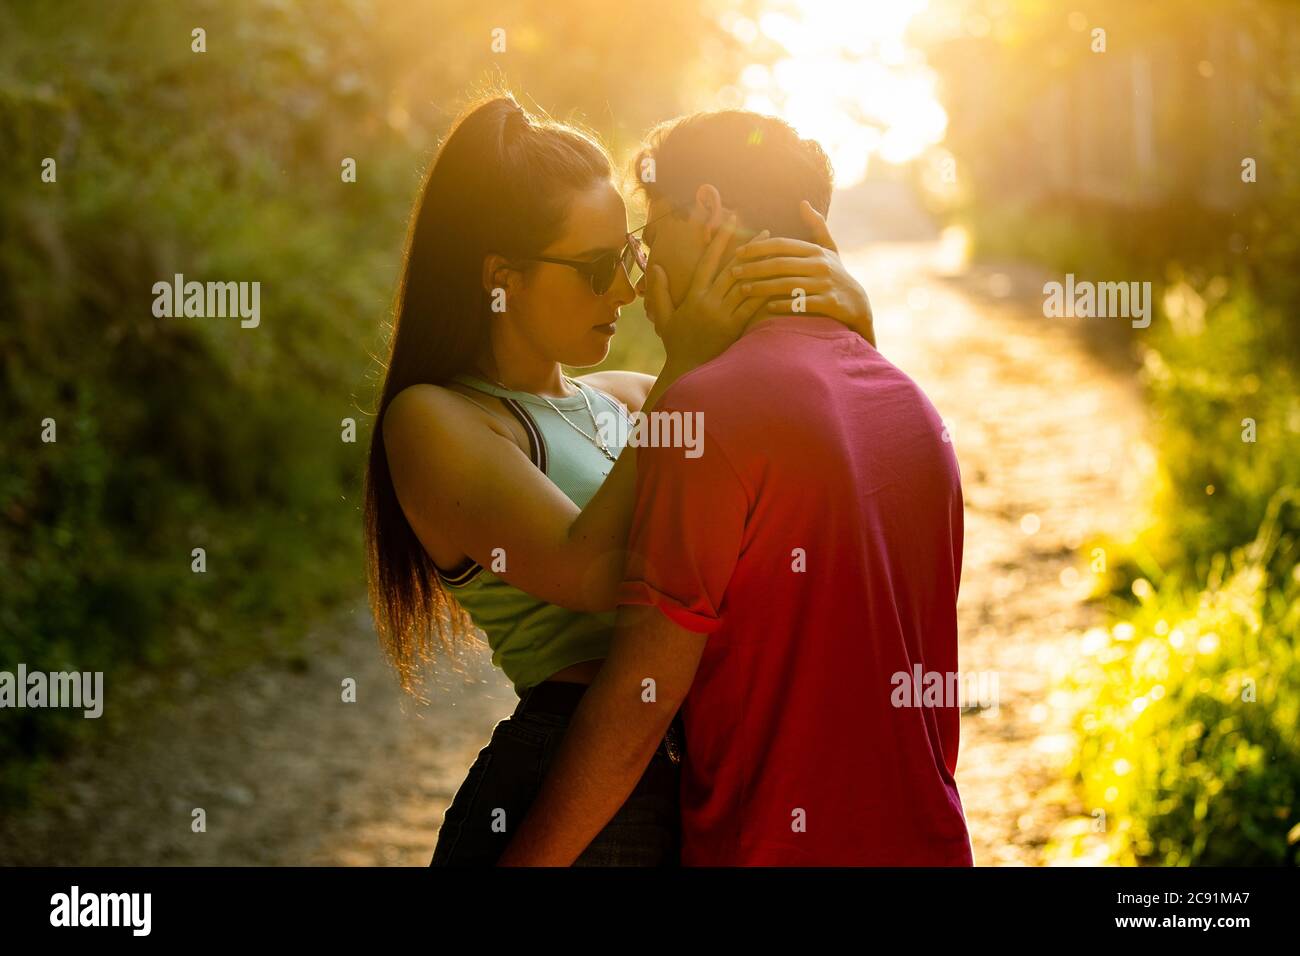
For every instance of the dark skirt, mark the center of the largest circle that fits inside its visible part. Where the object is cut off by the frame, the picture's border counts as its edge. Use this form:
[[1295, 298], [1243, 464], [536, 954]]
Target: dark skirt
[[507, 775]]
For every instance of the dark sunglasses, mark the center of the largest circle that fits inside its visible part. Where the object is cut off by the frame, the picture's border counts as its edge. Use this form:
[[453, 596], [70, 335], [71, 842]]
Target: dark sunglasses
[[600, 271]]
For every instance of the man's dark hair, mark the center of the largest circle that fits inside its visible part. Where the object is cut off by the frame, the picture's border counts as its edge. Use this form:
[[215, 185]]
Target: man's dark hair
[[758, 164]]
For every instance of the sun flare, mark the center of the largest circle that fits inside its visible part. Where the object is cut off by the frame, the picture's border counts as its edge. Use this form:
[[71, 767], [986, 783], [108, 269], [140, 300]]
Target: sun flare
[[848, 79]]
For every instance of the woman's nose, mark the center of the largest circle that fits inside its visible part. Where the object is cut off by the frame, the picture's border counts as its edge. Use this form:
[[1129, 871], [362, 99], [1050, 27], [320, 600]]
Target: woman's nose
[[622, 290]]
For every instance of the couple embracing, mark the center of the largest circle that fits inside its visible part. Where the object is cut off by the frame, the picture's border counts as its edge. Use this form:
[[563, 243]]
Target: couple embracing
[[702, 643]]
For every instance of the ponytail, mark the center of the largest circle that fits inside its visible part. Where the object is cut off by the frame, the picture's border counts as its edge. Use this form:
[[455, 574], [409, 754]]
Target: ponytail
[[501, 182]]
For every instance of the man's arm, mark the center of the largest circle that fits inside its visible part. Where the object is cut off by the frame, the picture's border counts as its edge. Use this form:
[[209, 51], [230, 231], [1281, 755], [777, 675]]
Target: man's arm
[[611, 738], [686, 536]]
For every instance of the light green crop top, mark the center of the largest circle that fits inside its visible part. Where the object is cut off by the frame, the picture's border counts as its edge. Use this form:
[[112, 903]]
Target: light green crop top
[[530, 639]]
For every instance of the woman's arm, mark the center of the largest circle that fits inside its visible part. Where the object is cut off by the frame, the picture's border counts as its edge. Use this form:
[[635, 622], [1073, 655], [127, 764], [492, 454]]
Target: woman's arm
[[775, 268], [458, 471]]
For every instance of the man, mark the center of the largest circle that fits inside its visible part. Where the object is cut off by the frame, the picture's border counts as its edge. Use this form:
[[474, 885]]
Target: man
[[779, 583]]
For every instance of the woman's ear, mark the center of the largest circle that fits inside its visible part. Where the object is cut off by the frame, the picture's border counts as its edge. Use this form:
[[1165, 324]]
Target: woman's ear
[[498, 274], [708, 206]]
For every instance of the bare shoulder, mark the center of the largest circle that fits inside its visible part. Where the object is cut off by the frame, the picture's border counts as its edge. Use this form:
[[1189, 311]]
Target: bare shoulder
[[425, 408], [630, 388]]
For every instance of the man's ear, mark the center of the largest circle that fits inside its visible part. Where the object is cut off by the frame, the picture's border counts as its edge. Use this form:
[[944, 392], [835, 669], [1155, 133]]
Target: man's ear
[[498, 274], [708, 206]]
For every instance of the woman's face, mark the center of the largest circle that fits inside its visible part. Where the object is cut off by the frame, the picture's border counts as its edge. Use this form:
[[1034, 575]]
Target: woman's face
[[557, 311]]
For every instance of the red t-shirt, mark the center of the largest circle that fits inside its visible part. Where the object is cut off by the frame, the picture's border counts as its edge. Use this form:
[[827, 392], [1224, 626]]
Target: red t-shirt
[[817, 540]]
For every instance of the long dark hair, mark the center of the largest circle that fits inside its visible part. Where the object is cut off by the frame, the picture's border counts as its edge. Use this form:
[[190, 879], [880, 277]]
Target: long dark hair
[[501, 182]]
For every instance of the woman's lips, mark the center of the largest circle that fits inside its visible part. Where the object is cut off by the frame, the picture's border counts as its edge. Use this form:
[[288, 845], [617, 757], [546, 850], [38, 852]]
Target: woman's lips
[[606, 329]]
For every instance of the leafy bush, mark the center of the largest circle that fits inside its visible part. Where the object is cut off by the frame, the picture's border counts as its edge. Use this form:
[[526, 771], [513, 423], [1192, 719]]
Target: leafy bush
[[1188, 732], [1227, 422]]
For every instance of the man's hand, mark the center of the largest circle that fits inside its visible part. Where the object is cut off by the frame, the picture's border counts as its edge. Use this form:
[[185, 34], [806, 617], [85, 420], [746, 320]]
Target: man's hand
[[775, 268]]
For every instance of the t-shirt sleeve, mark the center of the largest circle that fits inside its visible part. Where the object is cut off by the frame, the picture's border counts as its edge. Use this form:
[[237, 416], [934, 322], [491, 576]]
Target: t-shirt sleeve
[[687, 529]]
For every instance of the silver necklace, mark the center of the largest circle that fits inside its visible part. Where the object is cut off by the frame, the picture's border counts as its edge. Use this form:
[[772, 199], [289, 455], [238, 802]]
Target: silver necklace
[[596, 439]]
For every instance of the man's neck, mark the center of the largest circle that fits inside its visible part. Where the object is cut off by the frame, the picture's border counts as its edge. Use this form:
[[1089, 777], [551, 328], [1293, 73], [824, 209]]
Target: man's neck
[[763, 319]]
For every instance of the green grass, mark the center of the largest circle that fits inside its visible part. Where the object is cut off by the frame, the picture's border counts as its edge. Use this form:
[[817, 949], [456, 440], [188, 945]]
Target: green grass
[[1190, 705]]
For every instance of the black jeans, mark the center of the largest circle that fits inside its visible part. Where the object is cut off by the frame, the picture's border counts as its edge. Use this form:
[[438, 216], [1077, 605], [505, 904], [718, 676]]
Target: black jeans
[[507, 775]]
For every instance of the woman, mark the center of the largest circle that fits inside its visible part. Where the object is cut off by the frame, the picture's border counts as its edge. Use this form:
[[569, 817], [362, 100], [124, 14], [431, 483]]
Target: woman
[[492, 496]]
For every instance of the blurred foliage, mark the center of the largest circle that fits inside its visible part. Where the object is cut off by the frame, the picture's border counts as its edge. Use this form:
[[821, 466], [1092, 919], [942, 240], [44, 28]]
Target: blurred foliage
[[180, 433], [1047, 137], [1190, 711], [1226, 406]]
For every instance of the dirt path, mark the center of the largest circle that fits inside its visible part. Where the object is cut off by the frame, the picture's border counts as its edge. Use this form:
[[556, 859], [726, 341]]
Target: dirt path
[[289, 774]]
